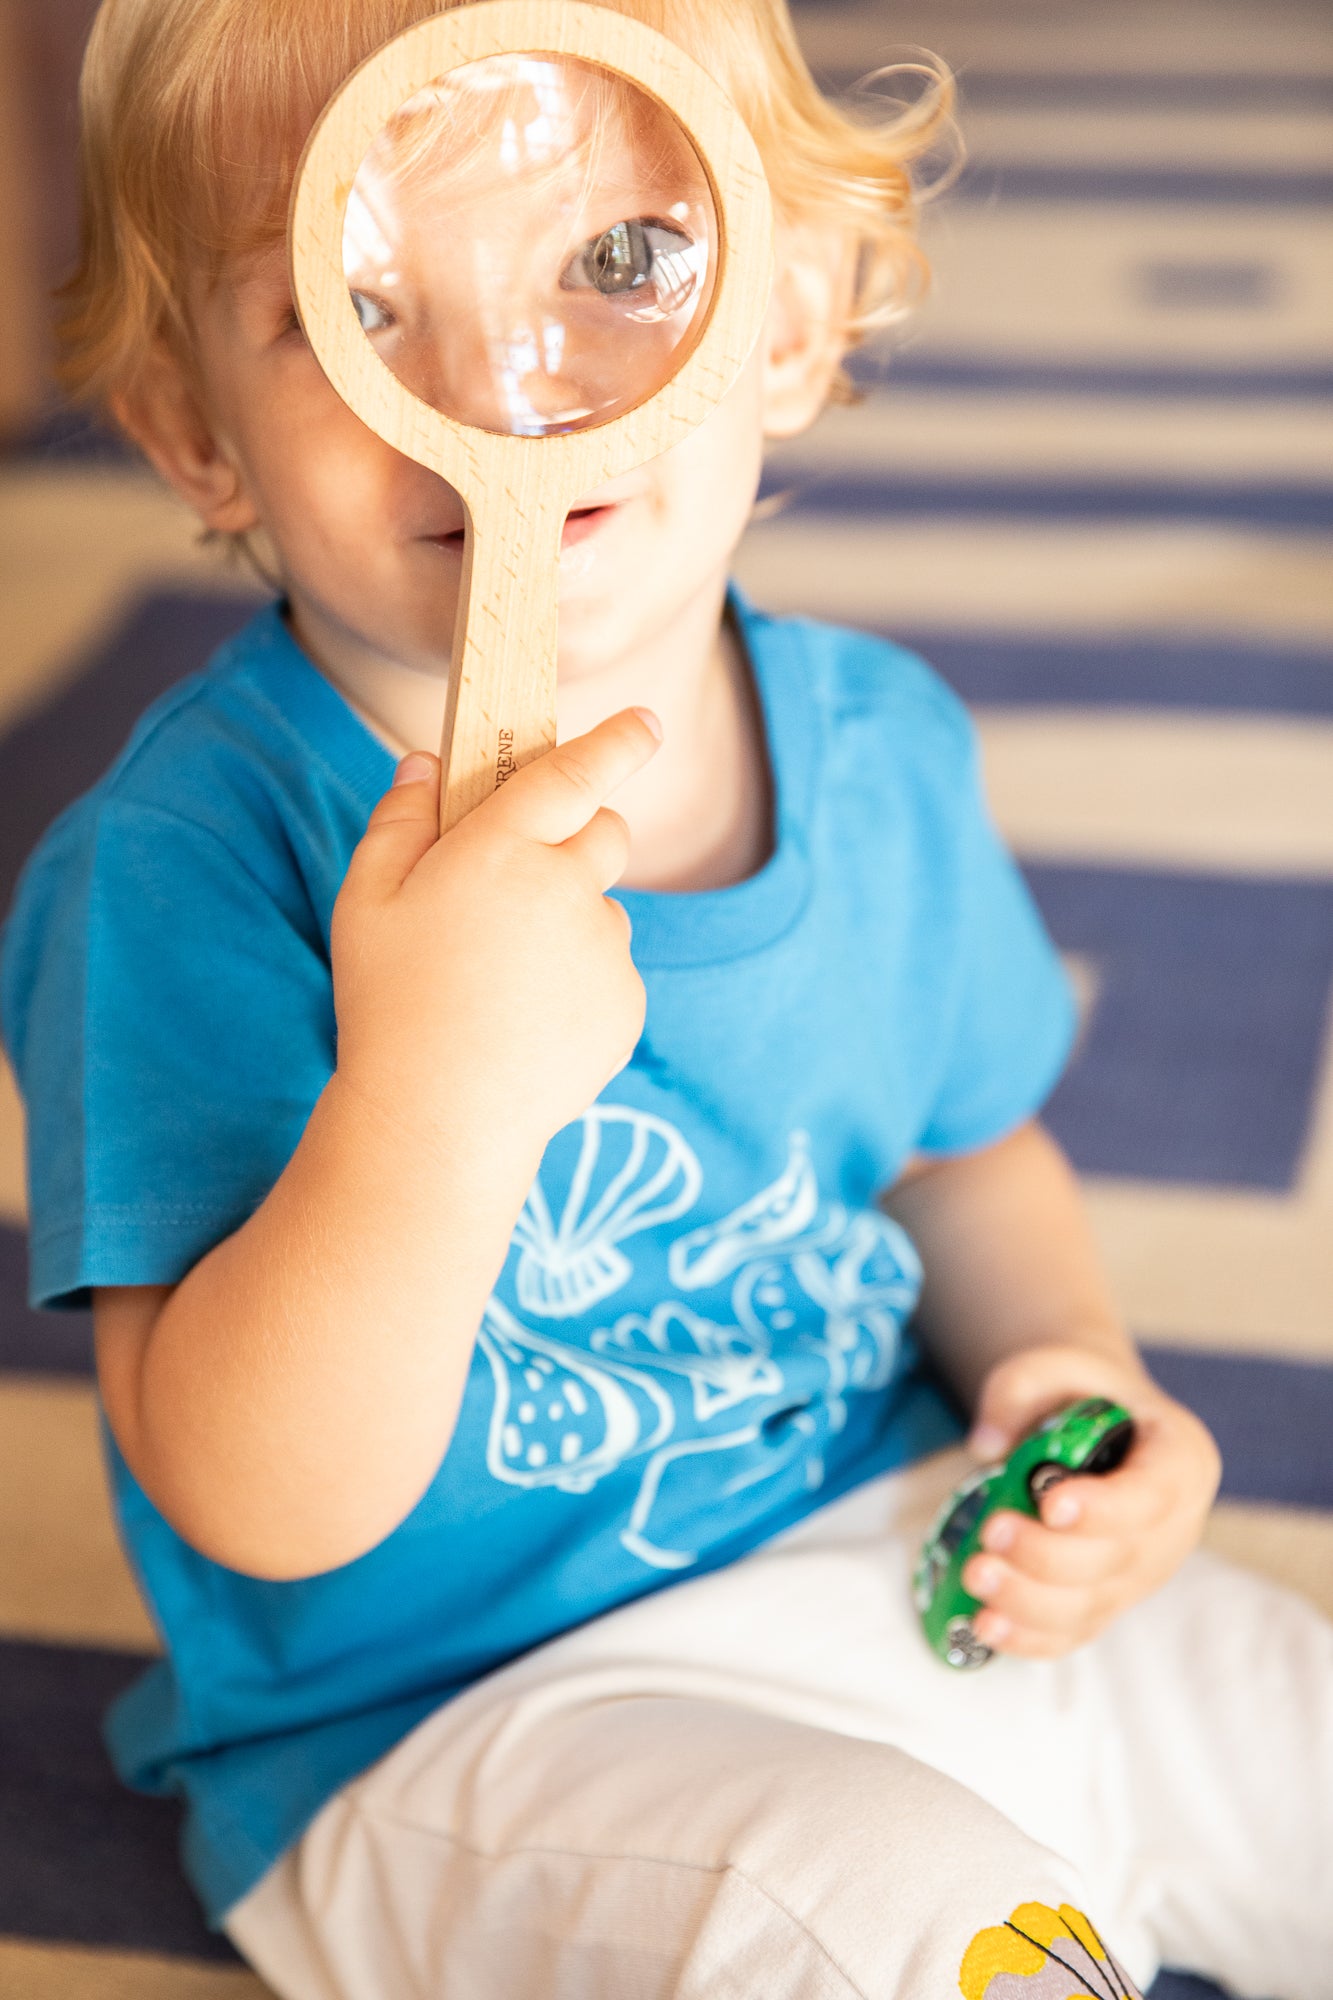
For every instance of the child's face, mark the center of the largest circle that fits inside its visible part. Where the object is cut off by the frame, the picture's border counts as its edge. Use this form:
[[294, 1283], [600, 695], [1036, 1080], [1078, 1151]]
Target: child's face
[[369, 544]]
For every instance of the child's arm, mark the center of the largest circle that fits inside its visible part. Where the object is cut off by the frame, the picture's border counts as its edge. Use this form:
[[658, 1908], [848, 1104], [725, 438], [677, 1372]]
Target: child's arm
[[289, 1401], [1016, 1312]]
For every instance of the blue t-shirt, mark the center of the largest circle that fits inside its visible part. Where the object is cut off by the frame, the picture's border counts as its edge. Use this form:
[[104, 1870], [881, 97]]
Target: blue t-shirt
[[700, 1330]]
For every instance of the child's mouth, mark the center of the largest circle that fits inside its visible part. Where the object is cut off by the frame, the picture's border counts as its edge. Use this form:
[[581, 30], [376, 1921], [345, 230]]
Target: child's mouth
[[582, 522]]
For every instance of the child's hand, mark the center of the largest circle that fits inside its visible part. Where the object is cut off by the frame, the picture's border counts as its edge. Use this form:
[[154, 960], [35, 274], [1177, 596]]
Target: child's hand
[[483, 982], [1103, 1542]]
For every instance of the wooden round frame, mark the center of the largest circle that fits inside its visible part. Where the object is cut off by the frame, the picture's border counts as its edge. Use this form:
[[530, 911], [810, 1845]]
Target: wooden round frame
[[518, 491]]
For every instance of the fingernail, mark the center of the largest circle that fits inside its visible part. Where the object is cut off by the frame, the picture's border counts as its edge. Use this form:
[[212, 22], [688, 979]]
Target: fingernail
[[992, 1629], [999, 1534], [982, 1577], [1062, 1511], [986, 1441], [414, 769], [650, 722]]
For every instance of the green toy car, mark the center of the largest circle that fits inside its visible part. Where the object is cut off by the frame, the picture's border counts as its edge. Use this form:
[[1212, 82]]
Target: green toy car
[[1093, 1435]]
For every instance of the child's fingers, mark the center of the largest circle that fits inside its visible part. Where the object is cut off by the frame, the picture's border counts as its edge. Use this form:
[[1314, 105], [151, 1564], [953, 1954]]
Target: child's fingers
[[1117, 1504], [555, 796], [1173, 1468], [1137, 1497], [1003, 1636], [1033, 1606], [1032, 1550], [1021, 1390], [602, 847], [404, 826]]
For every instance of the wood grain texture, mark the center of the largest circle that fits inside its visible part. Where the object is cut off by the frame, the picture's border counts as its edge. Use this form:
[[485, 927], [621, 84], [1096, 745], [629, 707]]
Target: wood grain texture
[[518, 490]]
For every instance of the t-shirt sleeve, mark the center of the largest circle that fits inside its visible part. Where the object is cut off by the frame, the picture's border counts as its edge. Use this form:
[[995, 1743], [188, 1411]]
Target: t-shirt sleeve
[[1010, 1017], [170, 1017]]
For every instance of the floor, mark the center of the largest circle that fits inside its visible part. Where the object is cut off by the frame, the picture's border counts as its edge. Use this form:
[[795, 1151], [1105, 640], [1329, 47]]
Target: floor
[[1093, 485]]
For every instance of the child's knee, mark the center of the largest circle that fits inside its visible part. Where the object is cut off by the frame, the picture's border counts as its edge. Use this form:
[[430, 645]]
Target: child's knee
[[682, 1849], [906, 1883]]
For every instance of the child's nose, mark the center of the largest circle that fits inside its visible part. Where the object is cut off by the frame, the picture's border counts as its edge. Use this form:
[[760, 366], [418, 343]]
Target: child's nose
[[514, 380]]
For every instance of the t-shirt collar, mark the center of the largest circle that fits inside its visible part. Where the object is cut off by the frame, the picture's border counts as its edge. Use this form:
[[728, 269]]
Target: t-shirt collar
[[672, 928]]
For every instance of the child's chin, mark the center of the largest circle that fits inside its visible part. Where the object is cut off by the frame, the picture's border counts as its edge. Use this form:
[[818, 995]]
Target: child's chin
[[593, 640]]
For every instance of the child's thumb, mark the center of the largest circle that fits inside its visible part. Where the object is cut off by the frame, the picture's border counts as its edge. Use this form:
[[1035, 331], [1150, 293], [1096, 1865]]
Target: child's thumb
[[1015, 1395], [404, 826], [1028, 1385]]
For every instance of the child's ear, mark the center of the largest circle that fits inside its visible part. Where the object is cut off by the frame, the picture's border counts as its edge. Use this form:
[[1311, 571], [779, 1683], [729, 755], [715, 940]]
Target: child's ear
[[803, 339], [163, 415]]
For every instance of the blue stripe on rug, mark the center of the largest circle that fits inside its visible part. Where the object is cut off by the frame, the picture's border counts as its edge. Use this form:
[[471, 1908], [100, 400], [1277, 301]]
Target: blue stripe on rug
[[83, 1861], [1273, 1420], [1183, 1986], [1238, 89], [64, 747], [1203, 1054], [37, 1343], [1197, 187], [62, 436], [1001, 668], [935, 368], [1099, 90], [1252, 503]]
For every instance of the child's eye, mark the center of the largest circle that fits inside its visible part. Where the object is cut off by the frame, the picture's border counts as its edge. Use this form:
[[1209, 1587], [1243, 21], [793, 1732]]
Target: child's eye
[[629, 256], [372, 313]]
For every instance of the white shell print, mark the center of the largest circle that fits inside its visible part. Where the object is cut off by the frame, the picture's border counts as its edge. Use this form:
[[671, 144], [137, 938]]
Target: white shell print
[[776, 1214], [862, 1287], [633, 1172], [559, 1419], [724, 1365]]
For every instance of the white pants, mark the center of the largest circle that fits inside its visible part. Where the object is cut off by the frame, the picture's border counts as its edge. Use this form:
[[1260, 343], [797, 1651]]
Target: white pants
[[760, 1785]]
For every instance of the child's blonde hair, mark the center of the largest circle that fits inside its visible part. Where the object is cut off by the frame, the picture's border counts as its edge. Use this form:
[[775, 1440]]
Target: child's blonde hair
[[195, 113]]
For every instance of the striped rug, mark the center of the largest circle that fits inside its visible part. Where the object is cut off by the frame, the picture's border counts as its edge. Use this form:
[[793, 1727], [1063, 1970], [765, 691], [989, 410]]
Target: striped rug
[[1095, 486]]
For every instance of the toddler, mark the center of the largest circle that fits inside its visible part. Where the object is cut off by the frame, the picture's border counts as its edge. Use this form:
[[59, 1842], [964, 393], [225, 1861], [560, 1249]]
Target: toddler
[[538, 1272]]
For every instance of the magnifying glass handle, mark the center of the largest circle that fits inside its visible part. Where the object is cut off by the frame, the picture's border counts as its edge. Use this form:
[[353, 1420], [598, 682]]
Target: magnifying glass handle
[[500, 711]]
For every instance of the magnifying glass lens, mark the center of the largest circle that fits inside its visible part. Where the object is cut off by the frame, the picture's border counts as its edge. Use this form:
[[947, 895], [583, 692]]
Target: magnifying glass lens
[[531, 245]]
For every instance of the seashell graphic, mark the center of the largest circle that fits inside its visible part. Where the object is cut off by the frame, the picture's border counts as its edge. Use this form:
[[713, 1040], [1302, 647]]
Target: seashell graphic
[[777, 1214], [632, 1172], [772, 1304], [724, 1365], [863, 1286], [558, 1418], [1042, 1954], [869, 1285]]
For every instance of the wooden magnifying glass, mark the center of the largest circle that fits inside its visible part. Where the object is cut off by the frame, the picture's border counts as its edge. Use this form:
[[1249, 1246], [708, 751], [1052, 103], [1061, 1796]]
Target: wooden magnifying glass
[[531, 247]]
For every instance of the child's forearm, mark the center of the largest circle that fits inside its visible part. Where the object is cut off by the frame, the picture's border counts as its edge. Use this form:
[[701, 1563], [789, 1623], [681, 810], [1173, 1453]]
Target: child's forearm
[[293, 1396], [1009, 1257], [288, 1403]]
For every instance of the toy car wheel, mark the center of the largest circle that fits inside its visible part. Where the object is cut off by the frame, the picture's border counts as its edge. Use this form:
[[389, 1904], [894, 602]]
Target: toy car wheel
[[963, 1648], [1043, 1477], [1113, 1450]]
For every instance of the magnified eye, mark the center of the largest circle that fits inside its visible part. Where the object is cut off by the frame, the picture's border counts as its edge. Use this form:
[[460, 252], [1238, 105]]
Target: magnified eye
[[373, 315], [639, 256]]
